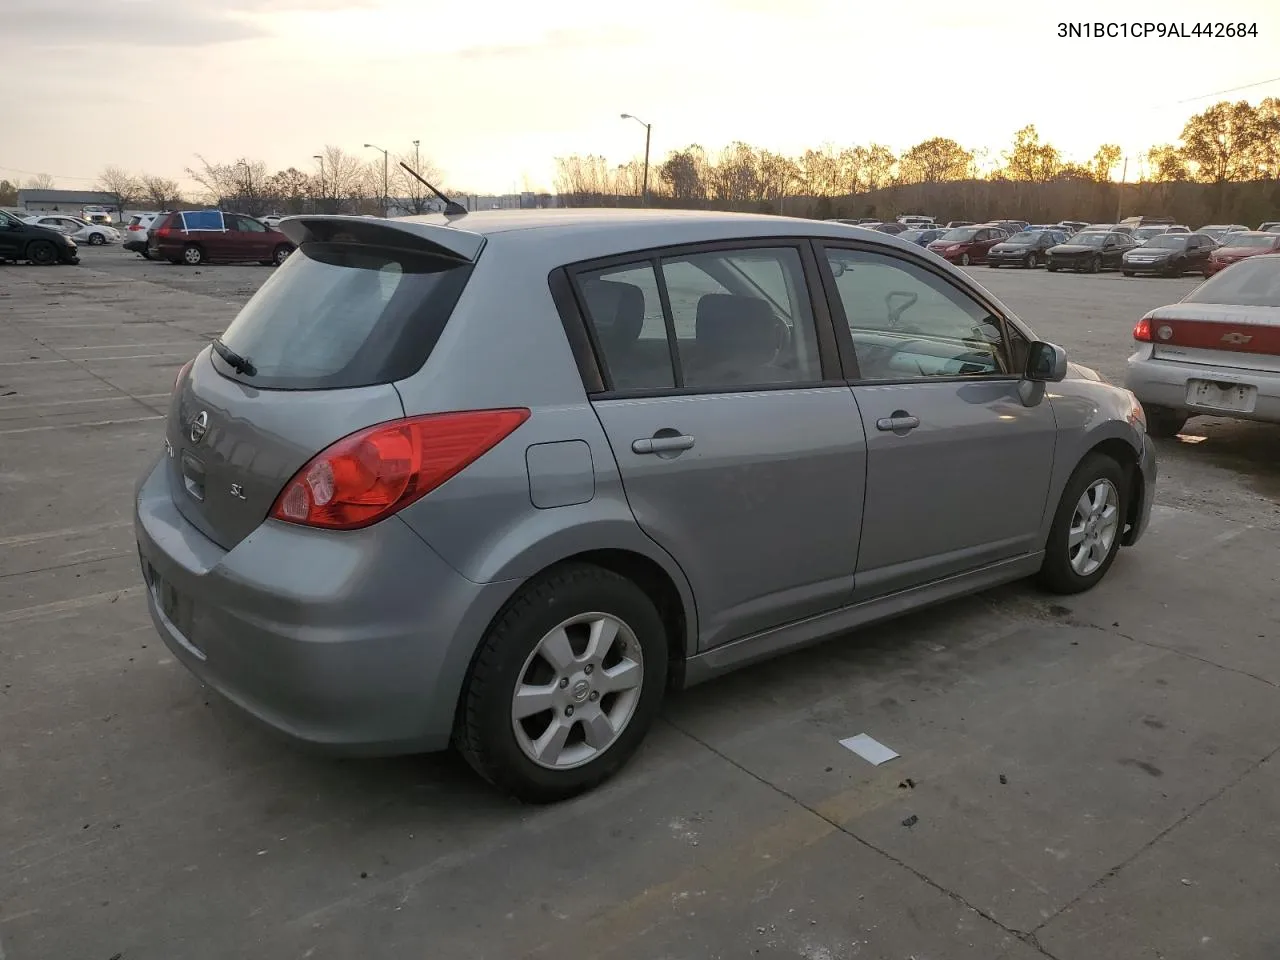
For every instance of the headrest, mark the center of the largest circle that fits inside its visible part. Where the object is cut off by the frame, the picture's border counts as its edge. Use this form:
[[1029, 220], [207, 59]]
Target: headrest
[[617, 310], [737, 328]]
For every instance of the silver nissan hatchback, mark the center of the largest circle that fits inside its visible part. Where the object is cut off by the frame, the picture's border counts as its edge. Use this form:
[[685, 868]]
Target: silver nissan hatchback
[[503, 480]]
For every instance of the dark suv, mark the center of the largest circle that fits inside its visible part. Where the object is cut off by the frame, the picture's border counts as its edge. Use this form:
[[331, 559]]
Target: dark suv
[[196, 236], [40, 245]]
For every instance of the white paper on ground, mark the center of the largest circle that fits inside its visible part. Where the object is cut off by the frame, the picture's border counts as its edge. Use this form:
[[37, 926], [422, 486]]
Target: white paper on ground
[[870, 750]]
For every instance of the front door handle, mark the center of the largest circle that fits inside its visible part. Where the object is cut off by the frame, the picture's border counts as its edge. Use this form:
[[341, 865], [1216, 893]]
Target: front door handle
[[666, 444], [900, 422]]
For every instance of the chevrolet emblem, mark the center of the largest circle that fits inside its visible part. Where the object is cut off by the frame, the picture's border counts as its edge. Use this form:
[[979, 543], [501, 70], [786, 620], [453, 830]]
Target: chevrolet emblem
[[1236, 339]]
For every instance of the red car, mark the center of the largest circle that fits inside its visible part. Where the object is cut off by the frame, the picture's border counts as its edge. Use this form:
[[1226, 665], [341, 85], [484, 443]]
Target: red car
[[1237, 246], [966, 245], [194, 237]]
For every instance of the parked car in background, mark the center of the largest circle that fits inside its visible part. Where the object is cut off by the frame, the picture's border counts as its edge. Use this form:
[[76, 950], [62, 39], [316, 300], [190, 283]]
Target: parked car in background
[[1238, 246], [42, 246], [1089, 252], [98, 215], [952, 224], [1169, 255], [1214, 353], [1024, 249], [1143, 234], [196, 236], [921, 237], [966, 245], [94, 234], [916, 220], [1268, 225], [1072, 227], [1220, 230], [272, 220], [135, 232], [447, 527], [893, 229], [1010, 227]]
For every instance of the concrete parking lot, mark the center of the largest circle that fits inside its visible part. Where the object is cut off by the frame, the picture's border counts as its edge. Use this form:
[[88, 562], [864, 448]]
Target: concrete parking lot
[[1094, 777]]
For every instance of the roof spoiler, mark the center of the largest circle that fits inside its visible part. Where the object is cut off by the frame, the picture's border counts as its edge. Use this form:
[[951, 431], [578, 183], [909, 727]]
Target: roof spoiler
[[438, 239]]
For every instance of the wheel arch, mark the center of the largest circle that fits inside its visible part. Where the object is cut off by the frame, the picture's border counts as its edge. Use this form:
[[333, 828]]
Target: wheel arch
[[1122, 452]]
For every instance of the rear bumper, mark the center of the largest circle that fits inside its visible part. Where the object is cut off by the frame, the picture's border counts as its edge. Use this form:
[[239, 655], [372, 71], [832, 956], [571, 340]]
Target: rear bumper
[[1163, 383], [356, 642]]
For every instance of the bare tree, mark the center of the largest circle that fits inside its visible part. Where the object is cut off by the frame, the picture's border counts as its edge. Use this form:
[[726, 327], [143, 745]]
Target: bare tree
[[161, 192], [684, 175], [40, 181], [408, 189], [287, 190], [126, 187], [935, 160], [240, 183]]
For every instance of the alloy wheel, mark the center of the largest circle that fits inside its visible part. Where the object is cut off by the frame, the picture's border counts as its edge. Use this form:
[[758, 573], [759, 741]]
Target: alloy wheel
[[1094, 526], [577, 691]]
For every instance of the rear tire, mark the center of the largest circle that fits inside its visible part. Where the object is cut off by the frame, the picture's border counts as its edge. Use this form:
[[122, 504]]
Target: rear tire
[[1127, 273], [192, 255], [1095, 265], [146, 254], [1087, 528], [1164, 423], [498, 745], [42, 253], [281, 254], [1051, 268], [993, 265], [1032, 262]]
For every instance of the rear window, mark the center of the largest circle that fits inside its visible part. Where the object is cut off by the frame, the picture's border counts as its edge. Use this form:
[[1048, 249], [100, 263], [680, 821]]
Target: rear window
[[1254, 282], [336, 315]]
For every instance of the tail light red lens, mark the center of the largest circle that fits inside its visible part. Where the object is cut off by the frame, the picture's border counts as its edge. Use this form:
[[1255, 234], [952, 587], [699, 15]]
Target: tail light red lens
[[376, 472], [182, 372], [1142, 331]]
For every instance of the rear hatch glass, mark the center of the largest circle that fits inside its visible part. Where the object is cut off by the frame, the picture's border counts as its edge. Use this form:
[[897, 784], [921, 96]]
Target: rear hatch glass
[[337, 315], [326, 335]]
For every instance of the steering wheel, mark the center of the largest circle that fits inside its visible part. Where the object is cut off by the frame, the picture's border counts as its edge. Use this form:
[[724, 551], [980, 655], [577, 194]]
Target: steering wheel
[[906, 300]]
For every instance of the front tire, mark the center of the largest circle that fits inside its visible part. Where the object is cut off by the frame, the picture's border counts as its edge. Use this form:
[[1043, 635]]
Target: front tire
[[1095, 265], [1127, 273], [192, 255], [964, 260], [1164, 423], [96, 239], [42, 253], [1085, 536], [1032, 262], [565, 684], [1052, 268]]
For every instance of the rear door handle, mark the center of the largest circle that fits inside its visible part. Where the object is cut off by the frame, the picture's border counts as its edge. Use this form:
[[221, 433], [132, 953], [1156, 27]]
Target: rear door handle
[[898, 422], [661, 444]]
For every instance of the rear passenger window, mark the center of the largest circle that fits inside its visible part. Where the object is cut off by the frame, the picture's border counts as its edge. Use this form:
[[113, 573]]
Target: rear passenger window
[[738, 319]]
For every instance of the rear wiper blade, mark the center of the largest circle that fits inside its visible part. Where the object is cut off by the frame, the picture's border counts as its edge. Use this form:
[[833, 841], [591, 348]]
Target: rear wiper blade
[[237, 363]]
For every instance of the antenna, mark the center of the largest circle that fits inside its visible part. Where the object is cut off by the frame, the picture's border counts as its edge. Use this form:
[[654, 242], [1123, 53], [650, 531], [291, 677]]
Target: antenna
[[451, 207]]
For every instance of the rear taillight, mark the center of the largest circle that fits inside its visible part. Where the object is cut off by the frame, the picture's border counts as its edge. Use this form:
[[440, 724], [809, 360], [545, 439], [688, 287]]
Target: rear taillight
[[1142, 331], [163, 231], [372, 474], [182, 372]]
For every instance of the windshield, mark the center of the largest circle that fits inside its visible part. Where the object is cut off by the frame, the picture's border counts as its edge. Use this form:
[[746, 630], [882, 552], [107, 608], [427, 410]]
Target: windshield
[[1088, 239], [1144, 233], [335, 316], [959, 235], [1245, 240], [913, 234], [1167, 241], [1025, 237], [1253, 282]]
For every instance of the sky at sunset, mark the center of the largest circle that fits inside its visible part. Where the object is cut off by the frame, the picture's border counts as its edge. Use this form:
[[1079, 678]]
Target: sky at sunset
[[494, 91]]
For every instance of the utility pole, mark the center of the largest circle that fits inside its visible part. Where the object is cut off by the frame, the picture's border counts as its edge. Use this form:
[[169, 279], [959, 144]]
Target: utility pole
[[322, 184], [1120, 189], [648, 129], [384, 175]]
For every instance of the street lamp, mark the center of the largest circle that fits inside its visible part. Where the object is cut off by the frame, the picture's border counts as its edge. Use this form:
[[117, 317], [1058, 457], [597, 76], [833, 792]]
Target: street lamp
[[321, 159], [647, 130], [374, 146]]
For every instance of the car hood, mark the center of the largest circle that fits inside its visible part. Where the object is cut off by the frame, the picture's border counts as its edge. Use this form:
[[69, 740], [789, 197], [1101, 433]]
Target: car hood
[[1007, 247], [1076, 371]]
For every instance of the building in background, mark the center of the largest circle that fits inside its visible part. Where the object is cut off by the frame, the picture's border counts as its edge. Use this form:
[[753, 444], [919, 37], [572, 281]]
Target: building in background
[[70, 202]]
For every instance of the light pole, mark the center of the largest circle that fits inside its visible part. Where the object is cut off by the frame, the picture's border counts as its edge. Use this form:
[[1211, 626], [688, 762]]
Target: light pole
[[644, 190], [247, 189], [384, 174], [321, 159]]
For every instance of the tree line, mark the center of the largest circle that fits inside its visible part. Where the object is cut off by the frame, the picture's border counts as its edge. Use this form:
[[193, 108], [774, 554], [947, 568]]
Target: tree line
[[1225, 164], [338, 182]]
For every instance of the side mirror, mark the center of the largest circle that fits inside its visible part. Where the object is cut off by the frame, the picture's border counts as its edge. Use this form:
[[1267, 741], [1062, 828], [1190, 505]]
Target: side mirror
[[1046, 363]]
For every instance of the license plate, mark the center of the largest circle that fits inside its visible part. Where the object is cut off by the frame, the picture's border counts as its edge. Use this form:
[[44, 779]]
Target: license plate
[[1233, 397]]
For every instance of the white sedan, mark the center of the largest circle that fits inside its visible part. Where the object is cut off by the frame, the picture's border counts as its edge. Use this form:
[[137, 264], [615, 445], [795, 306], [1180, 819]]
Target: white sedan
[[82, 231], [1214, 353]]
